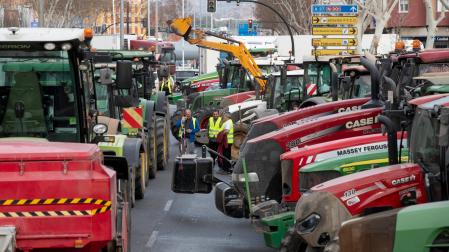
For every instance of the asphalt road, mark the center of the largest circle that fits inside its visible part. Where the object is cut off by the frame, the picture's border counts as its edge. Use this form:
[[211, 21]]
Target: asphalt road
[[165, 221]]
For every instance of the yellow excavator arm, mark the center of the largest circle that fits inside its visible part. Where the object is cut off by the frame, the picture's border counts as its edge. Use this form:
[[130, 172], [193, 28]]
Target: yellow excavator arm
[[183, 27]]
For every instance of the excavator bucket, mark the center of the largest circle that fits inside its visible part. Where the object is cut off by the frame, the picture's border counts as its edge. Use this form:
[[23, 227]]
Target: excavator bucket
[[181, 26]]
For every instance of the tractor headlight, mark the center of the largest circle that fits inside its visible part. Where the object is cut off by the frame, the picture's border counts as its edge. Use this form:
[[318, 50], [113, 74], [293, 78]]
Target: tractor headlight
[[49, 46], [309, 224], [100, 129], [66, 46]]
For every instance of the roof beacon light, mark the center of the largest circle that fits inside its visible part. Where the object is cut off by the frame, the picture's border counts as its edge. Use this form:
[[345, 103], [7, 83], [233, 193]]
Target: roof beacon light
[[399, 45], [416, 44], [88, 33]]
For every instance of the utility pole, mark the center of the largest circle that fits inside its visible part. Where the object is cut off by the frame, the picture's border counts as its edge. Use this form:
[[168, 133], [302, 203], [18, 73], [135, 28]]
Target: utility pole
[[156, 32], [149, 17], [127, 17], [41, 13], [122, 26]]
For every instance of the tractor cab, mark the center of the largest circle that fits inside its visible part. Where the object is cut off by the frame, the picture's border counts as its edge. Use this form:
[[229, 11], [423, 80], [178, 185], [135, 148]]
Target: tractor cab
[[283, 90], [58, 82]]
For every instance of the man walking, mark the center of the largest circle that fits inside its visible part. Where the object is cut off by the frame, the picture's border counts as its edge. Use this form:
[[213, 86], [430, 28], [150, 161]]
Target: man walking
[[188, 126], [213, 130]]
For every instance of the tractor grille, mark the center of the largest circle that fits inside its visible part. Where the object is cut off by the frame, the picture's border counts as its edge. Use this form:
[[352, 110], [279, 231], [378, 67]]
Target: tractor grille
[[308, 180], [263, 159]]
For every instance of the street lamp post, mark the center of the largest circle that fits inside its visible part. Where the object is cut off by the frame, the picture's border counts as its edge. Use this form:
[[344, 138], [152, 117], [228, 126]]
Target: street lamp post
[[275, 11]]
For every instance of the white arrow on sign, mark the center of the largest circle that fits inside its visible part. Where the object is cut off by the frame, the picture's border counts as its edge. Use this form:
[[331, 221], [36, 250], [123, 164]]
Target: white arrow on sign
[[353, 9]]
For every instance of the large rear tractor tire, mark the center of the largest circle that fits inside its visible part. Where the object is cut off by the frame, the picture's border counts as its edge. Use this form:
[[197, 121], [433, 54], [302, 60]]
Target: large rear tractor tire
[[152, 151], [162, 143], [203, 115], [293, 242], [173, 120], [123, 237], [161, 103], [240, 132], [141, 176]]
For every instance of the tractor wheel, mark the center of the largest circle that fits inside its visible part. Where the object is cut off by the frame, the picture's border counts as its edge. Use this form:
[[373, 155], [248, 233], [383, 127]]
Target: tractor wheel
[[132, 187], [152, 157], [140, 176], [203, 115], [123, 218], [173, 120], [162, 145], [240, 132], [161, 103], [293, 242]]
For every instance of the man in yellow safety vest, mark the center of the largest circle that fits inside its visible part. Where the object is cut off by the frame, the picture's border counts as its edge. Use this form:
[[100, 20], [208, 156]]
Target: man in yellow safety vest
[[228, 128], [213, 130], [167, 85]]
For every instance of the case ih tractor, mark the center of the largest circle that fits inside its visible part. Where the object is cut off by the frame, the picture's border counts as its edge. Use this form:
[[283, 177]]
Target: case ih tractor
[[385, 188], [54, 100]]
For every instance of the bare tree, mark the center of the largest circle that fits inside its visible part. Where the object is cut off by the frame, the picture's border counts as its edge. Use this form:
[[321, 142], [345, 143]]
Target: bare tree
[[296, 12], [381, 11], [433, 20]]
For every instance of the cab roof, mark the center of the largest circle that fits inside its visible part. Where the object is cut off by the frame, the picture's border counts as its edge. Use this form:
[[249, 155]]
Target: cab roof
[[299, 72], [41, 34], [34, 150]]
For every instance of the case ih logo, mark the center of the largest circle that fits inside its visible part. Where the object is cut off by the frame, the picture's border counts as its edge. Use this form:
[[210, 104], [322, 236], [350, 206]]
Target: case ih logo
[[348, 109], [362, 122], [403, 180]]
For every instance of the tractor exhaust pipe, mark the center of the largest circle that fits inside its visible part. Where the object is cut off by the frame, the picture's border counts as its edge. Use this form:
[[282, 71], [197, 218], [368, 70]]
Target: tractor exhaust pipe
[[334, 82], [392, 139], [375, 83]]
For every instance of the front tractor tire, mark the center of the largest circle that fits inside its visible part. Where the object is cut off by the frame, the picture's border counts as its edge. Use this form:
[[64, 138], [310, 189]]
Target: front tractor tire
[[152, 157], [174, 119], [293, 242], [240, 132], [141, 176], [161, 142]]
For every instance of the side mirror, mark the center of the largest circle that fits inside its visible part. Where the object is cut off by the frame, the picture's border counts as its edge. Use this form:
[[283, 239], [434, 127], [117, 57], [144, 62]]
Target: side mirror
[[124, 74], [346, 83], [106, 76]]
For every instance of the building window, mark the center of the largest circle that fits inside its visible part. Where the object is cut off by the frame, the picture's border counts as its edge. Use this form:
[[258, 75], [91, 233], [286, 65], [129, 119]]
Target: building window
[[440, 6], [403, 6]]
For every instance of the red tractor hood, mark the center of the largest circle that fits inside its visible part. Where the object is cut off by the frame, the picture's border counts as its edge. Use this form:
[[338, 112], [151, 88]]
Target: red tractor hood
[[275, 122], [377, 188], [262, 154], [201, 86], [238, 97], [14, 150], [323, 151]]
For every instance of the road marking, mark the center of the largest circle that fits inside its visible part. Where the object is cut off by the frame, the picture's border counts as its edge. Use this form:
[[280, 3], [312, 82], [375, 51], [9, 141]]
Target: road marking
[[152, 239], [168, 205]]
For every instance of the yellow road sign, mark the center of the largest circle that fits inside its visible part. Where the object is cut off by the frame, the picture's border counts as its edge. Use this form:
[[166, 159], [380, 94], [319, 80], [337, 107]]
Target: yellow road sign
[[334, 31], [330, 20], [322, 52], [334, 42]]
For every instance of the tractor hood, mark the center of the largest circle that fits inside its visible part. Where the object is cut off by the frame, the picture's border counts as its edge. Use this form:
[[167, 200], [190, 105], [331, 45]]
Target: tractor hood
[[203, 85], [237, 98], [242, 112], [340, 199], [274, 122], [292, 162], [262, 154]]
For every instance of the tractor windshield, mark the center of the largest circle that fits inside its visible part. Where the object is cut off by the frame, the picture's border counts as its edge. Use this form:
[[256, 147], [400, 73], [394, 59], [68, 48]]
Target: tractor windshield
[[433, 68], [320, 75], [37, 95], [276, 91], [424, 141], [168, 56]]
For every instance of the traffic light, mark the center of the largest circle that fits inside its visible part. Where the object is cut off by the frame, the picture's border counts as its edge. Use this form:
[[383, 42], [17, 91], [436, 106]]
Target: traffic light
[[250, 24], [211, 5]]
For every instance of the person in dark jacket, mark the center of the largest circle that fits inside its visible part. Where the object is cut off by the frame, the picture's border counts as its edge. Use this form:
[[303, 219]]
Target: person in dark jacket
[[188, 126]]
